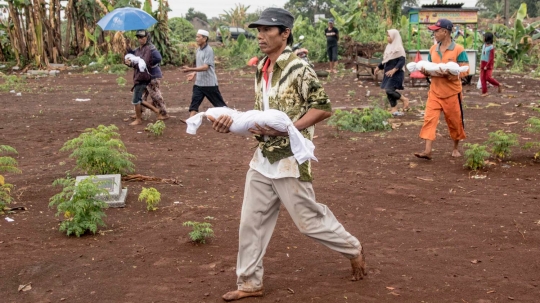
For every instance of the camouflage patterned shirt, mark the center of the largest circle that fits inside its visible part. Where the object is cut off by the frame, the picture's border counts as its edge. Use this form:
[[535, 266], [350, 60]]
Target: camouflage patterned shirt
[[294, 90]]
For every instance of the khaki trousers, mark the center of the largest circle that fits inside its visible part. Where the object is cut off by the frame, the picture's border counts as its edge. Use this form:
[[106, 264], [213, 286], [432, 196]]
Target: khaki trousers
[[262, 199]]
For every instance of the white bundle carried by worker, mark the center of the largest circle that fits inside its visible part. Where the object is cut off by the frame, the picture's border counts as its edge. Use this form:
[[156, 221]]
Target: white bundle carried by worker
[[301, 147], [433, 68], [136, 60]]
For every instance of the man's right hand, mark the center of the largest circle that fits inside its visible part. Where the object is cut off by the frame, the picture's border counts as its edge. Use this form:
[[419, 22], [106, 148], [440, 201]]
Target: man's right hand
[[222, 123]]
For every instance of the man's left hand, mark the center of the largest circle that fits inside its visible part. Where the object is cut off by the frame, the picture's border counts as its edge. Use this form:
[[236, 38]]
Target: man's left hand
[[266, 131]]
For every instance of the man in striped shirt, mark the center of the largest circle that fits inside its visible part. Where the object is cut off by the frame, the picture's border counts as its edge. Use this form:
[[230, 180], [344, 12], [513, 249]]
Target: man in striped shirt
[[206, 83]]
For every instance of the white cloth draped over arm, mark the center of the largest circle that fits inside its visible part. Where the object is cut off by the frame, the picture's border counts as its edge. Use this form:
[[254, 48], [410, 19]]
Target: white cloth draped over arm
[[137, 60], [432, 68], [302, 148]]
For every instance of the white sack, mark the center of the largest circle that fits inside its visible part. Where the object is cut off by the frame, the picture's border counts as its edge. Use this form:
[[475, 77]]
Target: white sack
[[137, 60], [433, 68], [301, 147]]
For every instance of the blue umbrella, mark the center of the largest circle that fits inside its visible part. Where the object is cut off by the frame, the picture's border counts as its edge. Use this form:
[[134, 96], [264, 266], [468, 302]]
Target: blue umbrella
[[126, 19]]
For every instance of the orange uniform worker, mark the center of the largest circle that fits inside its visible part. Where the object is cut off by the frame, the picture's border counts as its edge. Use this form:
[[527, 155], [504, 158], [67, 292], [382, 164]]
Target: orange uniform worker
[[445, 92]]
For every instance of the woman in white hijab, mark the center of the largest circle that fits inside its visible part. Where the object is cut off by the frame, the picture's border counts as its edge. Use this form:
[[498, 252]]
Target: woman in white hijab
[[392, 65]]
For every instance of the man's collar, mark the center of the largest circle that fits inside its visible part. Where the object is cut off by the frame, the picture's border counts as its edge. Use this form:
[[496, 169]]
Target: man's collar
[[450, 47], [281, 60], [284, 57], [205, 45]]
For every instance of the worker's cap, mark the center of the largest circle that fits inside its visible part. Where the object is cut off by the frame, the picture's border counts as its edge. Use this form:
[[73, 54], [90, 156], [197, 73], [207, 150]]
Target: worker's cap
[[441, 23], [274, 16], [203, 32], [141, 33]]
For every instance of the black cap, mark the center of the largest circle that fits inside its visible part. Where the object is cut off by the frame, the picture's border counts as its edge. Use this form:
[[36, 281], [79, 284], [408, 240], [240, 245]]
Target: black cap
[[441, 23], [141, 33], [274, 16]]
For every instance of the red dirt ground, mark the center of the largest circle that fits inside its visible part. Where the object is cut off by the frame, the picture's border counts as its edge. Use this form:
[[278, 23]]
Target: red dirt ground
[[431, 231]]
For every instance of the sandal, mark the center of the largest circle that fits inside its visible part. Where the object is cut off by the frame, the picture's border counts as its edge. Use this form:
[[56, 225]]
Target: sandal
[[397, 114]]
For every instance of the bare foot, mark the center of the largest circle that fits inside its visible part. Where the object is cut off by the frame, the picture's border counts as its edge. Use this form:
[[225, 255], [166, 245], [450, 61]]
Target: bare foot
[[239, 294], [133, 117], [423, 156], [455, 153], [358, 265], [485, 95], [136, 122], [160, 117], [499, 88], [405, 103]]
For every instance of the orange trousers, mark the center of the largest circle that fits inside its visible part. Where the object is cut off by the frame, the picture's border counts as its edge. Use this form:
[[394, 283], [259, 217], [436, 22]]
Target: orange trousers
[[451, 107]]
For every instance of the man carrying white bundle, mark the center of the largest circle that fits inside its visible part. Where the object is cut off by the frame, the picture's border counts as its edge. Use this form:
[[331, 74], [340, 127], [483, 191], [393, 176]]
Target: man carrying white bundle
[[445, 92], [283, 82]]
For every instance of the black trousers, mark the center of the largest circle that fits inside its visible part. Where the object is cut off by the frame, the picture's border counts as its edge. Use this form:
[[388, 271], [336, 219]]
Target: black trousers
[[393, 96], [210, 92]]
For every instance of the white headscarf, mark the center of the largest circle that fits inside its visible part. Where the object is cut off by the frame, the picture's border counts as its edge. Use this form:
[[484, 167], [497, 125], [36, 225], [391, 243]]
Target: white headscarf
[[395, 49]]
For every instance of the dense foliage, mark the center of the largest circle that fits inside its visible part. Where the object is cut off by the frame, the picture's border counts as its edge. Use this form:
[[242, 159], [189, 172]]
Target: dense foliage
[[7, 165], [361, 120], [475, 155], [100, 151], [200, 231], [501, 143], [80, 205], [151, 197]]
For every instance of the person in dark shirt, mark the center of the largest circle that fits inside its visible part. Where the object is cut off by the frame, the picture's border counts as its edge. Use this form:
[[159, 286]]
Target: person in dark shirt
[[332, 38], [146, 83], [392, 65]]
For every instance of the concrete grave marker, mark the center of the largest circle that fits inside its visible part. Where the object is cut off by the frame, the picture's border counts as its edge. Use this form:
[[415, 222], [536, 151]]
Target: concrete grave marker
[[112, 183]]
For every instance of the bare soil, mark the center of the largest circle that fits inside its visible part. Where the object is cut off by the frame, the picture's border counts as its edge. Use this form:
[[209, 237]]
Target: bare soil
[[433, 231]]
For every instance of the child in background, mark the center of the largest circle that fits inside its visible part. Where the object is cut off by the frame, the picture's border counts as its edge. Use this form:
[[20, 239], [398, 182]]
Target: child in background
[[486, 64]]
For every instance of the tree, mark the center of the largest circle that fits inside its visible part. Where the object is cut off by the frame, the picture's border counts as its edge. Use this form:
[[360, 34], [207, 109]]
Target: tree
[[236, 16], [192, 13], [496, 7], [309, 8], [182, 30]]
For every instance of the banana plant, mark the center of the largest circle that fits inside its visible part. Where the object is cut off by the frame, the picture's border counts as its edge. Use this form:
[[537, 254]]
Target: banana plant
[[516, 42]]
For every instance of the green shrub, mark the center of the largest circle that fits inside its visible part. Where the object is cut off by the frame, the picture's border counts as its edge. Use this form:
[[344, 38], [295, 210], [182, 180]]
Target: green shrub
[[121, 81], [82, 60], [151, 197], [156, 129], [361, 120], [9, 165], [501, 143], [13, 82], [94, 67], [99, 151], [201, 231], [534, 127], [79, 204], [475, 155], [118, 69]]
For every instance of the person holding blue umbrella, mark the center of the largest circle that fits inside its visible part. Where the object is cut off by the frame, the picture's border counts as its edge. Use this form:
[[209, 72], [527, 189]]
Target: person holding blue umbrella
[[146, 78]]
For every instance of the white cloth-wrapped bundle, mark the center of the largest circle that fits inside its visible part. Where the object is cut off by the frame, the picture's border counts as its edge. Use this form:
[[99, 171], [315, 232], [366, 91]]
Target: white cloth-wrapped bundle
[[301, 147], [136, 60], [433, 68]]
